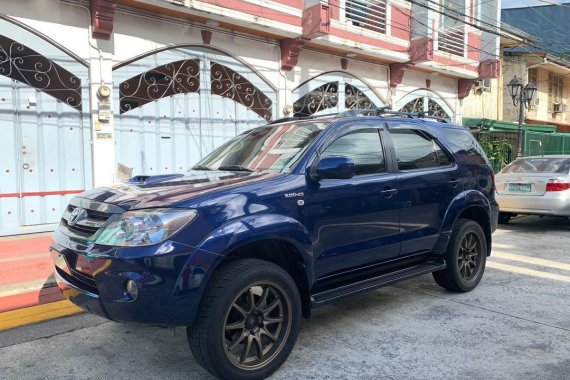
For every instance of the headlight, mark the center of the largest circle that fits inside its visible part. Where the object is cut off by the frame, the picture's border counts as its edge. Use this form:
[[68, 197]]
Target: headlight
[[145, 227]]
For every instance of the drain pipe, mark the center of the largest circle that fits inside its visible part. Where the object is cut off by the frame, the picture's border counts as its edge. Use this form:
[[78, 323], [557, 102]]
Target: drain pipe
[[284, 76], [90, 40]]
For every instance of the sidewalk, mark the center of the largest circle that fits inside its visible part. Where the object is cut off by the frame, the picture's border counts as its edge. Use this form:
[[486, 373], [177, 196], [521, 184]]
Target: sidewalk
[[27, 282]]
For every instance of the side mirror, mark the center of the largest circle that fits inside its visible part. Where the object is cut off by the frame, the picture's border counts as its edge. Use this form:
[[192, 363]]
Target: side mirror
[[333, 168]]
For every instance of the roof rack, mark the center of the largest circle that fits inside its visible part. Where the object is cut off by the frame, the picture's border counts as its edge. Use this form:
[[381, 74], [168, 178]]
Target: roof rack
[[422, 115], [386, 111], [301, 118], [380, 111], [291, 118]]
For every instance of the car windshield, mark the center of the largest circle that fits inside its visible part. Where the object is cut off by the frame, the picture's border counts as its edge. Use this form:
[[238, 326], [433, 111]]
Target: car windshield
[[539, 165], [273, 148]]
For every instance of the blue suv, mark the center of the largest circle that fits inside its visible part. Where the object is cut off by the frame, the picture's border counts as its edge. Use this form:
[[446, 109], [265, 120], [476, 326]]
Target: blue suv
[[277, 221]]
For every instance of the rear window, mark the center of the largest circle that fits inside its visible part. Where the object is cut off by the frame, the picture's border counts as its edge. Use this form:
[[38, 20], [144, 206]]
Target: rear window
[[415, 150], [539, 165], [463, 142]]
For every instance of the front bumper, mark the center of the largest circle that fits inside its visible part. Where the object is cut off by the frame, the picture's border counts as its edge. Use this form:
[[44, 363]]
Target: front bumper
[[169, 285]]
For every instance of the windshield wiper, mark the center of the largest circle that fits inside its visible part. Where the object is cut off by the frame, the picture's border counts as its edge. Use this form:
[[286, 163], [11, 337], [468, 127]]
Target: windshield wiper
[[201, 167], [235, 168]]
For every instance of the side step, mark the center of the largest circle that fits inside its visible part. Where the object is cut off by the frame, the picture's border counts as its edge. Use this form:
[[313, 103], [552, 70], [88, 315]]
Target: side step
[[376, 282]]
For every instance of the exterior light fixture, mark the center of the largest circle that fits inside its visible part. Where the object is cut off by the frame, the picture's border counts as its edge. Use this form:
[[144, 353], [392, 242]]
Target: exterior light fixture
[[522, 96]]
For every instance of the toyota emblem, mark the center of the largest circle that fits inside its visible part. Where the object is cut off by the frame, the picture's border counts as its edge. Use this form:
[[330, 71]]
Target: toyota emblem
[[77, 215]]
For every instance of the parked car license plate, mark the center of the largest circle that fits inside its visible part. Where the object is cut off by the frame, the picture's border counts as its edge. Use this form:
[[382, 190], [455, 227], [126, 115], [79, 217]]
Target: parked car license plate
[[519, 187]]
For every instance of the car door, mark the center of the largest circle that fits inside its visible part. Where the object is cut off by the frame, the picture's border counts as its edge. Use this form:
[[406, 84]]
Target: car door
[[428, 180], [354, 222]]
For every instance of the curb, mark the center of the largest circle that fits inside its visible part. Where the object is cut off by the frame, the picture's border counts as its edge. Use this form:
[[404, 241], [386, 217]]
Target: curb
[[35, 314]]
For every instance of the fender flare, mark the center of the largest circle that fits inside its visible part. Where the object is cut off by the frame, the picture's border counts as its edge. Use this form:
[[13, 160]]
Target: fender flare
[[463, 201], [212, 250]]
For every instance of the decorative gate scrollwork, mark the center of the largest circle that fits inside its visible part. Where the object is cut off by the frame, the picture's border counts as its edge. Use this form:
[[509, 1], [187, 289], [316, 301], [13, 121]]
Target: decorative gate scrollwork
[[177, 77], [321, 98], [232, 85], [416, 105], [19, 62], [433, 108], [356, 99]]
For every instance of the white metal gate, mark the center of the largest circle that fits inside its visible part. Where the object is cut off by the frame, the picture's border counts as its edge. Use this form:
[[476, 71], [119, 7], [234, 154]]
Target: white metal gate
[[44, 149], [177, 105]]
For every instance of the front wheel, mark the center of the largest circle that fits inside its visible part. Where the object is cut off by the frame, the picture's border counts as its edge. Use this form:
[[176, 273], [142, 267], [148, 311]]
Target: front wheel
[[466, 256], [248, 321]]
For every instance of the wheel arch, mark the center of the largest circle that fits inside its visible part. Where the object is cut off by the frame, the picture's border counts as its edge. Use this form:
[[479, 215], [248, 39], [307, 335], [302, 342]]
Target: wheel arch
[[270, 237], [282, 253], [482, 217], [471, 205]]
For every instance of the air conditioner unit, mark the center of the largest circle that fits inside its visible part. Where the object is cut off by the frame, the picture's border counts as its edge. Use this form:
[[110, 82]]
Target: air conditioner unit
[[482, 85]]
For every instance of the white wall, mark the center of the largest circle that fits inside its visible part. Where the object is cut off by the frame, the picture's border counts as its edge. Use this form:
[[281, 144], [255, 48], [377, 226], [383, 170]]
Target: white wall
[[135, 35]]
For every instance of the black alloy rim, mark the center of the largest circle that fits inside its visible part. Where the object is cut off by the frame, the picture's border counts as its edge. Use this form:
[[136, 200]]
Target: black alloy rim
[[469, 257], [257, 325]]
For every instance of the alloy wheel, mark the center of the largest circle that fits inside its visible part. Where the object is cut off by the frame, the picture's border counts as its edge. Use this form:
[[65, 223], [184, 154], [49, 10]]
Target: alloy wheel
[[469, 257], [257, 325]]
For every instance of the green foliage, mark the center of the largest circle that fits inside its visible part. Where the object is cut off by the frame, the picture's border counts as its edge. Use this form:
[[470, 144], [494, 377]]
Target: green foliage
[[498, 150]]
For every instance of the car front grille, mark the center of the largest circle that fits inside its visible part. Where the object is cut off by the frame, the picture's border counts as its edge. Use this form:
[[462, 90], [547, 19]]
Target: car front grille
[[93, 217], [88, 225]]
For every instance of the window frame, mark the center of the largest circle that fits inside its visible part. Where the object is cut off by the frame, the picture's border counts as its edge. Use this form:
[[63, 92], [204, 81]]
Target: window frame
[[352, 127], [555, 89], [417, 128]]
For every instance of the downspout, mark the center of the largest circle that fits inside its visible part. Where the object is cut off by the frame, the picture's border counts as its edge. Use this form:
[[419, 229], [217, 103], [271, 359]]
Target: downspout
[[284, 76], [90, 33]]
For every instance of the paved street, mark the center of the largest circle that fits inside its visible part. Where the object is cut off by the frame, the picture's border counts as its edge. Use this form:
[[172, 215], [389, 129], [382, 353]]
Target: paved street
[[515, 325]]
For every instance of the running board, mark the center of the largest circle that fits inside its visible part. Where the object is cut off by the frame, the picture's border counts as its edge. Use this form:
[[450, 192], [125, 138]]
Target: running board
[[376, 282]]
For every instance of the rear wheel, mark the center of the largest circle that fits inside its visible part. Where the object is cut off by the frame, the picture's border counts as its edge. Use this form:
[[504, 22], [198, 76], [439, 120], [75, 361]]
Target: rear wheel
[[505, 217], [248, 321], [466, 256]]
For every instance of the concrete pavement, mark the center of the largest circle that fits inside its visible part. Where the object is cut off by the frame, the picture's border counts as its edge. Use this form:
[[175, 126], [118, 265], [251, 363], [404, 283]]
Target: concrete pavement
[[515, 325]]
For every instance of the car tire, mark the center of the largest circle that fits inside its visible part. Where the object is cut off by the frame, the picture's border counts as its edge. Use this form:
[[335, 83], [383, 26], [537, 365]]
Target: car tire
[[504, 217], [466, 257], [248, 320]]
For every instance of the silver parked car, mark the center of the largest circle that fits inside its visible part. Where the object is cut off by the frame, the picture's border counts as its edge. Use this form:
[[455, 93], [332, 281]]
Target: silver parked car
[[538, 185]]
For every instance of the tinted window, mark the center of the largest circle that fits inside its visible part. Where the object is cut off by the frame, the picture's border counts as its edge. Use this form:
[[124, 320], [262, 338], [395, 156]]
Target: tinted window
[[539, 165], [363, 147], [272, 148], [464, 141], [415, 150]]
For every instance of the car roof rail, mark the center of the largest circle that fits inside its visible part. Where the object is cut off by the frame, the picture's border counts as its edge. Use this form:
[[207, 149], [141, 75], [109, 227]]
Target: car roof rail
[[379, 111], [301, 118], [386, 111], [422, 115], [291, 118]]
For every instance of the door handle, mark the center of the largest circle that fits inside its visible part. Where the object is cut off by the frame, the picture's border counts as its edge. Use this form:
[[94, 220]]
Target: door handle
[[454, 182], [389, 192]]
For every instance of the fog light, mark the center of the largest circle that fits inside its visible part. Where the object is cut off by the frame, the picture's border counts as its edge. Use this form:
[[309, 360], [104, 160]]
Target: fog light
[[132, 289]]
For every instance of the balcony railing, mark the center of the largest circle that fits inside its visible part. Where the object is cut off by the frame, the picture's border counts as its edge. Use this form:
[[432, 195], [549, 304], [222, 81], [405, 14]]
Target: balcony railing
[[369, 15], [452, 40]]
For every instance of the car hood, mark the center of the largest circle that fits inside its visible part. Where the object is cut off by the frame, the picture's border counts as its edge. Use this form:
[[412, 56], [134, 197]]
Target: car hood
[[171, 189]]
